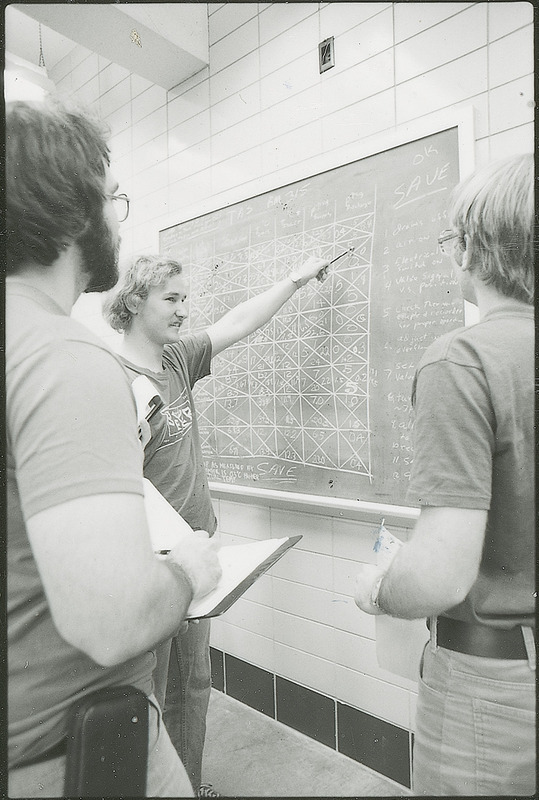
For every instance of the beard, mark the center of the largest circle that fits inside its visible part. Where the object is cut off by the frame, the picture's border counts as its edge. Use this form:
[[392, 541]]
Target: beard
[[100, 253]]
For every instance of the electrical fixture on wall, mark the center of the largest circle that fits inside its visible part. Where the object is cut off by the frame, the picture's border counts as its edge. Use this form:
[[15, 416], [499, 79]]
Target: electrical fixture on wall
[[326, 54], [24, 80]]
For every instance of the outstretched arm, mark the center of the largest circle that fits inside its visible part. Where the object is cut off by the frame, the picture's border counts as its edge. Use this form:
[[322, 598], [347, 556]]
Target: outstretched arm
[[250, 315]]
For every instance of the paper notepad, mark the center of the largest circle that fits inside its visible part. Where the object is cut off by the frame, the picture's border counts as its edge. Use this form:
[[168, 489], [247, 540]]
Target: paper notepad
[[399, 642], [241, 564]]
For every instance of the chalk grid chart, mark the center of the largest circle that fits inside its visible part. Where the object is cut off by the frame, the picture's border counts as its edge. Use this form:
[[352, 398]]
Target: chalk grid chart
[[318, 401], [298, 389]]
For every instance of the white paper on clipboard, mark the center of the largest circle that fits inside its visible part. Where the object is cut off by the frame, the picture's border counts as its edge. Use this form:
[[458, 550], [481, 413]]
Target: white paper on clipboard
[[399, 642], [241, 565]]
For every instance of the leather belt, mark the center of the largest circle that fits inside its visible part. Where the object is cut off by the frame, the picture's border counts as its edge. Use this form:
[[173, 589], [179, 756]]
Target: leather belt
[[480, 640]]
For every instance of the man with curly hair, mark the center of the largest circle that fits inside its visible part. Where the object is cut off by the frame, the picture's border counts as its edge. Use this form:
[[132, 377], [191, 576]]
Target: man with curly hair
[[149, 306]]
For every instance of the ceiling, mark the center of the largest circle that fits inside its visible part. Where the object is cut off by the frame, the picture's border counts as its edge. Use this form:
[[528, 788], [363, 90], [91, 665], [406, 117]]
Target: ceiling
[[163, 42]]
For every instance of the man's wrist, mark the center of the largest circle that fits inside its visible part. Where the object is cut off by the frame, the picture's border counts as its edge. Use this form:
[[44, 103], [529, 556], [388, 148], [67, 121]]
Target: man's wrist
[[297, 280], [179, 572]]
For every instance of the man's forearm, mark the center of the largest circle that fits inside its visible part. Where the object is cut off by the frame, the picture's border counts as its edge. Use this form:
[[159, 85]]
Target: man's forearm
[[432, 572], [153, 612], [405, 592], [250, 315]]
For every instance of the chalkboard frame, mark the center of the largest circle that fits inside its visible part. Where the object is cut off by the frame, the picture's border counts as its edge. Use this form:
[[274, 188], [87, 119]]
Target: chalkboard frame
[[461, 120]]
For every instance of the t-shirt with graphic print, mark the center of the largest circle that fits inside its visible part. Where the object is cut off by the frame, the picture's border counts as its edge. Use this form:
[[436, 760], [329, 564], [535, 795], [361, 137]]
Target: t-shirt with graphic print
[[173, 459]]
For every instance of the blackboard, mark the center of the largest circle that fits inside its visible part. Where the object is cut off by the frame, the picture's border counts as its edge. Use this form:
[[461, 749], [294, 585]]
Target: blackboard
[[318, 400]]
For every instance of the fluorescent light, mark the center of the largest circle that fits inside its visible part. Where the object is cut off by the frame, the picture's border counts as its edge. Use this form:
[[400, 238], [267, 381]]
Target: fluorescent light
[[25, 81]]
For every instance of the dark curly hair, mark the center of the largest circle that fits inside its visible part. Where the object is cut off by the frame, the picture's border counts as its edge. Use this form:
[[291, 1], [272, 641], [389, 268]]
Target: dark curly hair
[[55, 179]]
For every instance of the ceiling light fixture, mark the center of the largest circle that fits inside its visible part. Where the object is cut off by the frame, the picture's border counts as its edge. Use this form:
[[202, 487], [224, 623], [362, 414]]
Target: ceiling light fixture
[[24, 80]]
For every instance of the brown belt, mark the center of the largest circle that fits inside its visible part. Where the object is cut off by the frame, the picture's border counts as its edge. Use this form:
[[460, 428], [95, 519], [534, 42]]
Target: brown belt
[[480, 640]]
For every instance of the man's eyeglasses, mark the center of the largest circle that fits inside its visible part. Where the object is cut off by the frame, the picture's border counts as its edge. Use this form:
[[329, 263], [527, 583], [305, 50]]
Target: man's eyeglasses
[[122, 205], [443, 239]]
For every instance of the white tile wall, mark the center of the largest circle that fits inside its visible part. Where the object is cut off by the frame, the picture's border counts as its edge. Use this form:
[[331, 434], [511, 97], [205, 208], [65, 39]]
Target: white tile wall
[[503, 69], [517, 140], [365, 41], [85, 71], [294, 77], [150, 126], [304, 668], [417, 17], [384, 700], [235, 139], [236, 170], [506, 17], [237, 44], [441, 44], [238, 108], [362, 81], [316, 530], [443, 87], [88, 94], [115, 98], [225, 21], [257, 116], [188, 133], [291, 44], [279, 19], [292, 113], [237, 77], [111, 75], [149, 100], [302, 634], [512, 104], [338, 18], [363, 119]]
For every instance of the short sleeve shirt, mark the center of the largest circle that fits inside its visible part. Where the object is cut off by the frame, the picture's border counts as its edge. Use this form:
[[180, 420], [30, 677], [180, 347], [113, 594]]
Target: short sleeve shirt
[[71, 432], [473, 396], [173, 459]]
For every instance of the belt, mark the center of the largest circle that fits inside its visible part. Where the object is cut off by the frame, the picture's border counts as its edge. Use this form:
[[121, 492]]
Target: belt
[[480, 640]]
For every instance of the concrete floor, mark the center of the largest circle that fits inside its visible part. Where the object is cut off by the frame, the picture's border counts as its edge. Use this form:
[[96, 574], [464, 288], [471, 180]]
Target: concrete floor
[[248, 754]]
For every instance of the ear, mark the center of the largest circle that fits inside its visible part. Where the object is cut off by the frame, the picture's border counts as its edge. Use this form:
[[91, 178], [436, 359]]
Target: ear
[[133, 303], [462, 255]]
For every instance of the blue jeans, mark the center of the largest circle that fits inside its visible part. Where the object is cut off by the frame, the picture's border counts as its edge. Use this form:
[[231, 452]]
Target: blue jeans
[[166, 776], [475, 726], [184, 691]]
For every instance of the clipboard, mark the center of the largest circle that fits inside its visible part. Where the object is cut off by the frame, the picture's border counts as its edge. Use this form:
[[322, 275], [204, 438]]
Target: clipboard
[[242, 565], [216, 602]]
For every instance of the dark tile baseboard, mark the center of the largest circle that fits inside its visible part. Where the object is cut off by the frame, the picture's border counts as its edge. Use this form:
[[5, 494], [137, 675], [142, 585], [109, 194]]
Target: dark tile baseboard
[[377, 744]]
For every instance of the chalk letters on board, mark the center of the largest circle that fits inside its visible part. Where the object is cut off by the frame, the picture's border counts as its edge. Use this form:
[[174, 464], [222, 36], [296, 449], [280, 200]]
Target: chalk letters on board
[[318, 401]]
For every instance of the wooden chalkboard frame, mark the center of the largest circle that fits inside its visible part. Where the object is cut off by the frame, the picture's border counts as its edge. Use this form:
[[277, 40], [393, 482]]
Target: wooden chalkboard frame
[[463, 122]]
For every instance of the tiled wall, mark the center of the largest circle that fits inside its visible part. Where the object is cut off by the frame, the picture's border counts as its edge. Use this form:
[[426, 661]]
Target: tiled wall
[[259, 116]]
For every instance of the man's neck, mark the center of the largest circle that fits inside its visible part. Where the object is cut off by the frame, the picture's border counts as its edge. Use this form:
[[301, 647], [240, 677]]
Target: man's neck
[[139, 350], [489, 299]]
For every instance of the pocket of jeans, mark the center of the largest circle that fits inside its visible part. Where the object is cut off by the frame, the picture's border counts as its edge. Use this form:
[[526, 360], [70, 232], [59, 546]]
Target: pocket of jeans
[[505, 747]]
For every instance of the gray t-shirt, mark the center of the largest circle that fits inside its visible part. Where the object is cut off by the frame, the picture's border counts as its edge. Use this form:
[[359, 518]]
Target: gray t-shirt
[[473, 396], [173, 459], [71, 432]]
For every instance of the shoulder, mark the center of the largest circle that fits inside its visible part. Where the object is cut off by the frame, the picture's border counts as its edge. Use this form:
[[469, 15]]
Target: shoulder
[[462, 347], [60, 352], [189, 347], [58, 336]]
